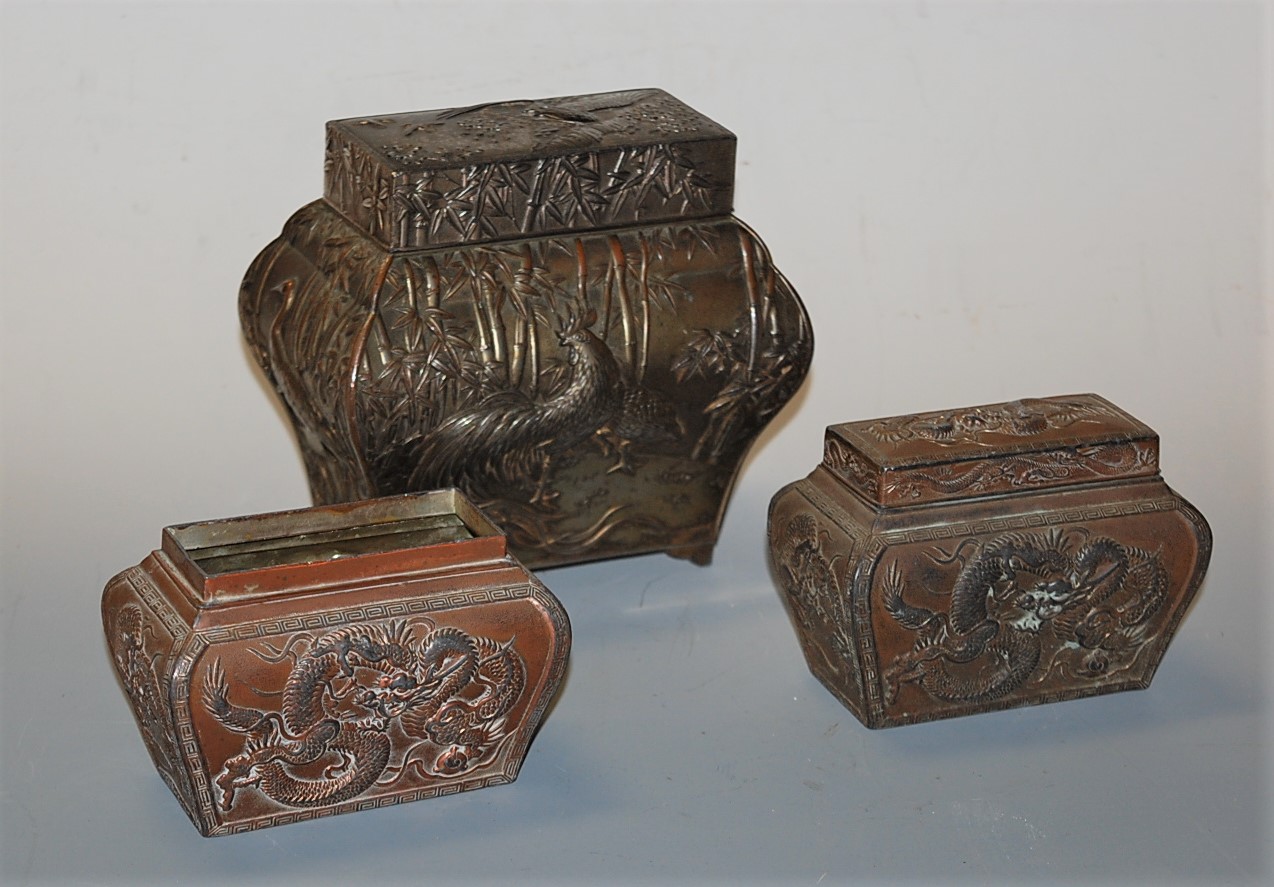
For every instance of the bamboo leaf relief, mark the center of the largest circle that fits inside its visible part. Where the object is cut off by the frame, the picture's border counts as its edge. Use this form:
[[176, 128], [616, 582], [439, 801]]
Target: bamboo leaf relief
[[555, 212], [475, 319], [456, 327], [502, 198]]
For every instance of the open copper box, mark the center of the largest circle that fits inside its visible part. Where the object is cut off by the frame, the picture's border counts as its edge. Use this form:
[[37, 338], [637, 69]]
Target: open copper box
[[303, 663]]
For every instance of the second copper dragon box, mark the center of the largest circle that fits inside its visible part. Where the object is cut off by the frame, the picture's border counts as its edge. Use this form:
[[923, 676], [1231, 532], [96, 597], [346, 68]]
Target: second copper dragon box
[[300, 664], [966, 560], [547, 304]]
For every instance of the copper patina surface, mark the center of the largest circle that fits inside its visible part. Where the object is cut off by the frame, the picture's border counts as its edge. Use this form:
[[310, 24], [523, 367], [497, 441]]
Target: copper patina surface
[[299, 664]]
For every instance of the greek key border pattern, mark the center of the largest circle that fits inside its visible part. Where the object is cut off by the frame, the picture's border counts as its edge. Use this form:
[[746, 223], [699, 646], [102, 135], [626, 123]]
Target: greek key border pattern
[[995, 525], [189, 745], [868, 654], [1030, 521], [289, 817], [841, 519], [513, 757], [148, 592], [551, 680], [184, 727], [336, 618]]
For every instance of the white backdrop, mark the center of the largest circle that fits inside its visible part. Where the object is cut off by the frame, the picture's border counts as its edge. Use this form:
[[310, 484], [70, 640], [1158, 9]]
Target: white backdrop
[[977, 202]]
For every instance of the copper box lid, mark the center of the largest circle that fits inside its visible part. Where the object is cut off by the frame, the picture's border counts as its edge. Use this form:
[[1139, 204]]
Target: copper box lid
[[528, 168], [1009, 447]]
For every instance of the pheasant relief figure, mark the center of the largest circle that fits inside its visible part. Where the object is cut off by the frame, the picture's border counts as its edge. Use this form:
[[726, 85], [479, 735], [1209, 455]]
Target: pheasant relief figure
[[493, 447], [646, 418]]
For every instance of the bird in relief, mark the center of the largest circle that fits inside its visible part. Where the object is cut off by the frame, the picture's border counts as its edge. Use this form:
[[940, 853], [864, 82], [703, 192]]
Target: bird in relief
[[646, 417], [494, 446]]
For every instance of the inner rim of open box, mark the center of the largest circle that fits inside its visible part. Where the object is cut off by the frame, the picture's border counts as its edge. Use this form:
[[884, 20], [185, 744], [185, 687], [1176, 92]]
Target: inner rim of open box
[[328, 545]]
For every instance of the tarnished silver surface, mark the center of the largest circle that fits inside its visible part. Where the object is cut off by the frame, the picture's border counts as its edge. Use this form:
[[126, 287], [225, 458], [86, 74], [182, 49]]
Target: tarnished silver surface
[[518, 168], [587, 347]]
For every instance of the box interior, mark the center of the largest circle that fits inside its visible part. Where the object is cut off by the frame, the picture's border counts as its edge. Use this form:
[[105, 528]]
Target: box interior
[[319, 535], [327, 545]]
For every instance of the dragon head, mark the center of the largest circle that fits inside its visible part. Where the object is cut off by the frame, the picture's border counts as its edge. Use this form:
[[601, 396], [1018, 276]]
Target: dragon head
[[393, 693], [452, 762], [238, 772], [1035, 588], [1043, 602]]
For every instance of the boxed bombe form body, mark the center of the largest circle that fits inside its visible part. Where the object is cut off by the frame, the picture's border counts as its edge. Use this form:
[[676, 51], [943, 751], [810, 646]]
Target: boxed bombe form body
[[299, 664], [544, 303], [961, 561]]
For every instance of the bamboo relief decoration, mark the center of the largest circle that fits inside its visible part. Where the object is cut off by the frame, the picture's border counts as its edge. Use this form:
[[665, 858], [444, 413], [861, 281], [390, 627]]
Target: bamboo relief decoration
[[546, 304]]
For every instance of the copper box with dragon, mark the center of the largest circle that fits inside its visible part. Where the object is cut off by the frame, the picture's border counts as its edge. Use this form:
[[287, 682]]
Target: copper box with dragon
[[547, 304], [288, 666], [968, 560]]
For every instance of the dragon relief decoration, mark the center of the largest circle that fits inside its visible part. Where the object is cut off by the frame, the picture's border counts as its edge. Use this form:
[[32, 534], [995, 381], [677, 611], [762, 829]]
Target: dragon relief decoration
[[1020, 418], [365, 706], [1022, 471], [815, 588], [1026, 608], [137, 666]]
